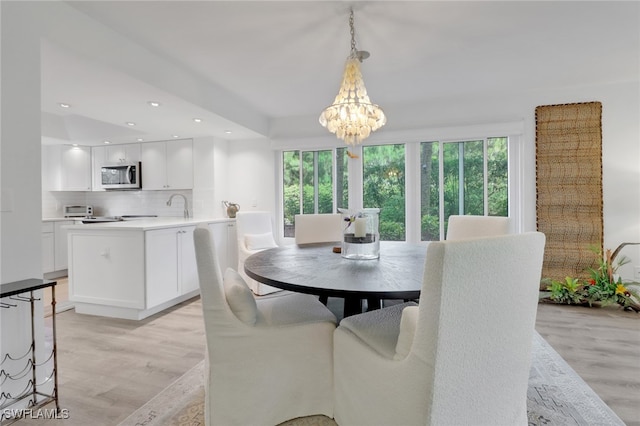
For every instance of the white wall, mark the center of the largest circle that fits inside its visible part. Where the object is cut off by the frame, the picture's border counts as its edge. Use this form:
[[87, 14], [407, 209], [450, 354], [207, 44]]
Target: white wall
[[210, 168], [251, 175], [20, 147], [20, 202]]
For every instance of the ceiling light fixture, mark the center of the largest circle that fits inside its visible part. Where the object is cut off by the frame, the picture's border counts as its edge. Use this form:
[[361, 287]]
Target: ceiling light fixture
[[107, 142], [228, 132], [140, 139], [198, 120], [175, 136], [154, 103], [63, 105], [131, 123], [353, 117]]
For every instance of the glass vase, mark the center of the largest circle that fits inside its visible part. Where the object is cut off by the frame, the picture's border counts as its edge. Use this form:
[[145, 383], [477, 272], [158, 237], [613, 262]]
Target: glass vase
[[360, 235]]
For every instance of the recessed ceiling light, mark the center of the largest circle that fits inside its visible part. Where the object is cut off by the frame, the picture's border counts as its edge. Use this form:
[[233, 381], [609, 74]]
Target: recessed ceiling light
[[106, 141], [228, 132], [139, 139], [175, 136], [198, 120], [63, 105], [130, 123], [154, 103], [74, 144]]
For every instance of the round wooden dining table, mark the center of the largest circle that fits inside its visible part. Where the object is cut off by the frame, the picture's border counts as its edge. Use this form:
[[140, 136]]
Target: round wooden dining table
[[316, 269]]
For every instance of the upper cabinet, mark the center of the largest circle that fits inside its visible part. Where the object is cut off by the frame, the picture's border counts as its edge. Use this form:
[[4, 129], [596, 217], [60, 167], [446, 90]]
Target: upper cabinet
[[98, 158], [66, 168], [167, 165], [122, 154]]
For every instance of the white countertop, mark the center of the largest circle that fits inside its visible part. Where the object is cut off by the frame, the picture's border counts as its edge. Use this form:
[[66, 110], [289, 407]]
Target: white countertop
[[144, 224]]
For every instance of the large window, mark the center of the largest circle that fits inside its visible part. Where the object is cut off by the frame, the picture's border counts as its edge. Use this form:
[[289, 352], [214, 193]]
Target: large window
[[416, 185], [308, 184], [474, 182], [383, 177]]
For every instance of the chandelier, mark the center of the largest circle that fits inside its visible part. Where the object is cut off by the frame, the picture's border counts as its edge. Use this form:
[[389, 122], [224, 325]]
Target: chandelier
[[352, 116]]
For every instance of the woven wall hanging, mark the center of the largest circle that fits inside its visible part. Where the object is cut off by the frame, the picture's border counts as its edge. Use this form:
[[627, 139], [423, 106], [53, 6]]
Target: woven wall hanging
[[569, 186]]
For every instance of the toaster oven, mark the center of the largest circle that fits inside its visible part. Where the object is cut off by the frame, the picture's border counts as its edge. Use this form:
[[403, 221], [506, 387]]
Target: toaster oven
[[78, 211]]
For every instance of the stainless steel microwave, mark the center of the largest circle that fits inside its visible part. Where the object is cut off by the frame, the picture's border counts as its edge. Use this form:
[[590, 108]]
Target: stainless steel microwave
[[120, 176]]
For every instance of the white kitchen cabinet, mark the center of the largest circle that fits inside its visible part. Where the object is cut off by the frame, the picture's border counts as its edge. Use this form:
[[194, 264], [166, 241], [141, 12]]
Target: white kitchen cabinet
[[76, 168], [170, 264], [98, 158], [66, 168], [226, 244], [124, 153], [48, 250], [54, 246], [60, 244], [162, 265], [51, 164], [107, 272], [188, 269], [127, 270], [167, 165]]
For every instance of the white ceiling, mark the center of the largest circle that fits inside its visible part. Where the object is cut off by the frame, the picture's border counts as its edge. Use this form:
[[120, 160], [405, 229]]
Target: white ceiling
[[278, 60]]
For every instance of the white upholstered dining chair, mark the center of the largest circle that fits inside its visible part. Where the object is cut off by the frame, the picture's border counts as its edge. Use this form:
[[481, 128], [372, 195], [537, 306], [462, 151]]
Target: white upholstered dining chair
[[268, 360], [255, 233], [318, 228], [460, 227], [460, 357]]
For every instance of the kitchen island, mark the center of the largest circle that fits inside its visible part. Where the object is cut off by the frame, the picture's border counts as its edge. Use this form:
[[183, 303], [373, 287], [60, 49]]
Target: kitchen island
[[134, 269]]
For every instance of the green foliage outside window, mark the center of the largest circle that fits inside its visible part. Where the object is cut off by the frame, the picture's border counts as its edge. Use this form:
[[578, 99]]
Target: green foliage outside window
[[384, 187], [497, 165], [430, 191], [464, 181], [317, 175], [463, 186]]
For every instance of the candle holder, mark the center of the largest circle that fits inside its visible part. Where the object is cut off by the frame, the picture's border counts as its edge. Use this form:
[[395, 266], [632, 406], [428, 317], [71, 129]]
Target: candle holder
[[360, 236]]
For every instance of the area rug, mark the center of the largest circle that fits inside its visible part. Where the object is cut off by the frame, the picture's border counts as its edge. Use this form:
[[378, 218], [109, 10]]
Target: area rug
[[569, 186], [556, 396]]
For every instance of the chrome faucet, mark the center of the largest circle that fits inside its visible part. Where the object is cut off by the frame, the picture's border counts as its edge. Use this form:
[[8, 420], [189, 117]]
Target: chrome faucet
[[186, 204]]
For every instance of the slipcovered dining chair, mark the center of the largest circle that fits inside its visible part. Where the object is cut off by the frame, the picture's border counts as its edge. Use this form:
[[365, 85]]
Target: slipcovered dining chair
[[318, 228], [268, 360], [460, 357], [461, 227], [255, 233]]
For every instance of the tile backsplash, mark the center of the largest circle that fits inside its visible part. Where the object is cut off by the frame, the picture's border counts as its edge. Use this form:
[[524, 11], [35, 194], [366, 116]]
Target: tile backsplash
[[117, 203]]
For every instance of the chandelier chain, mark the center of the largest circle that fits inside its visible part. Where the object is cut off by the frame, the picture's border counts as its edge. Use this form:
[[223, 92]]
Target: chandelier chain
[[352, 30]]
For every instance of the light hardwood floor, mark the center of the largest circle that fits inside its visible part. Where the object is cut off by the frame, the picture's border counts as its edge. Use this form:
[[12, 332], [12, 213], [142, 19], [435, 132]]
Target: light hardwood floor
[[110, 367]]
